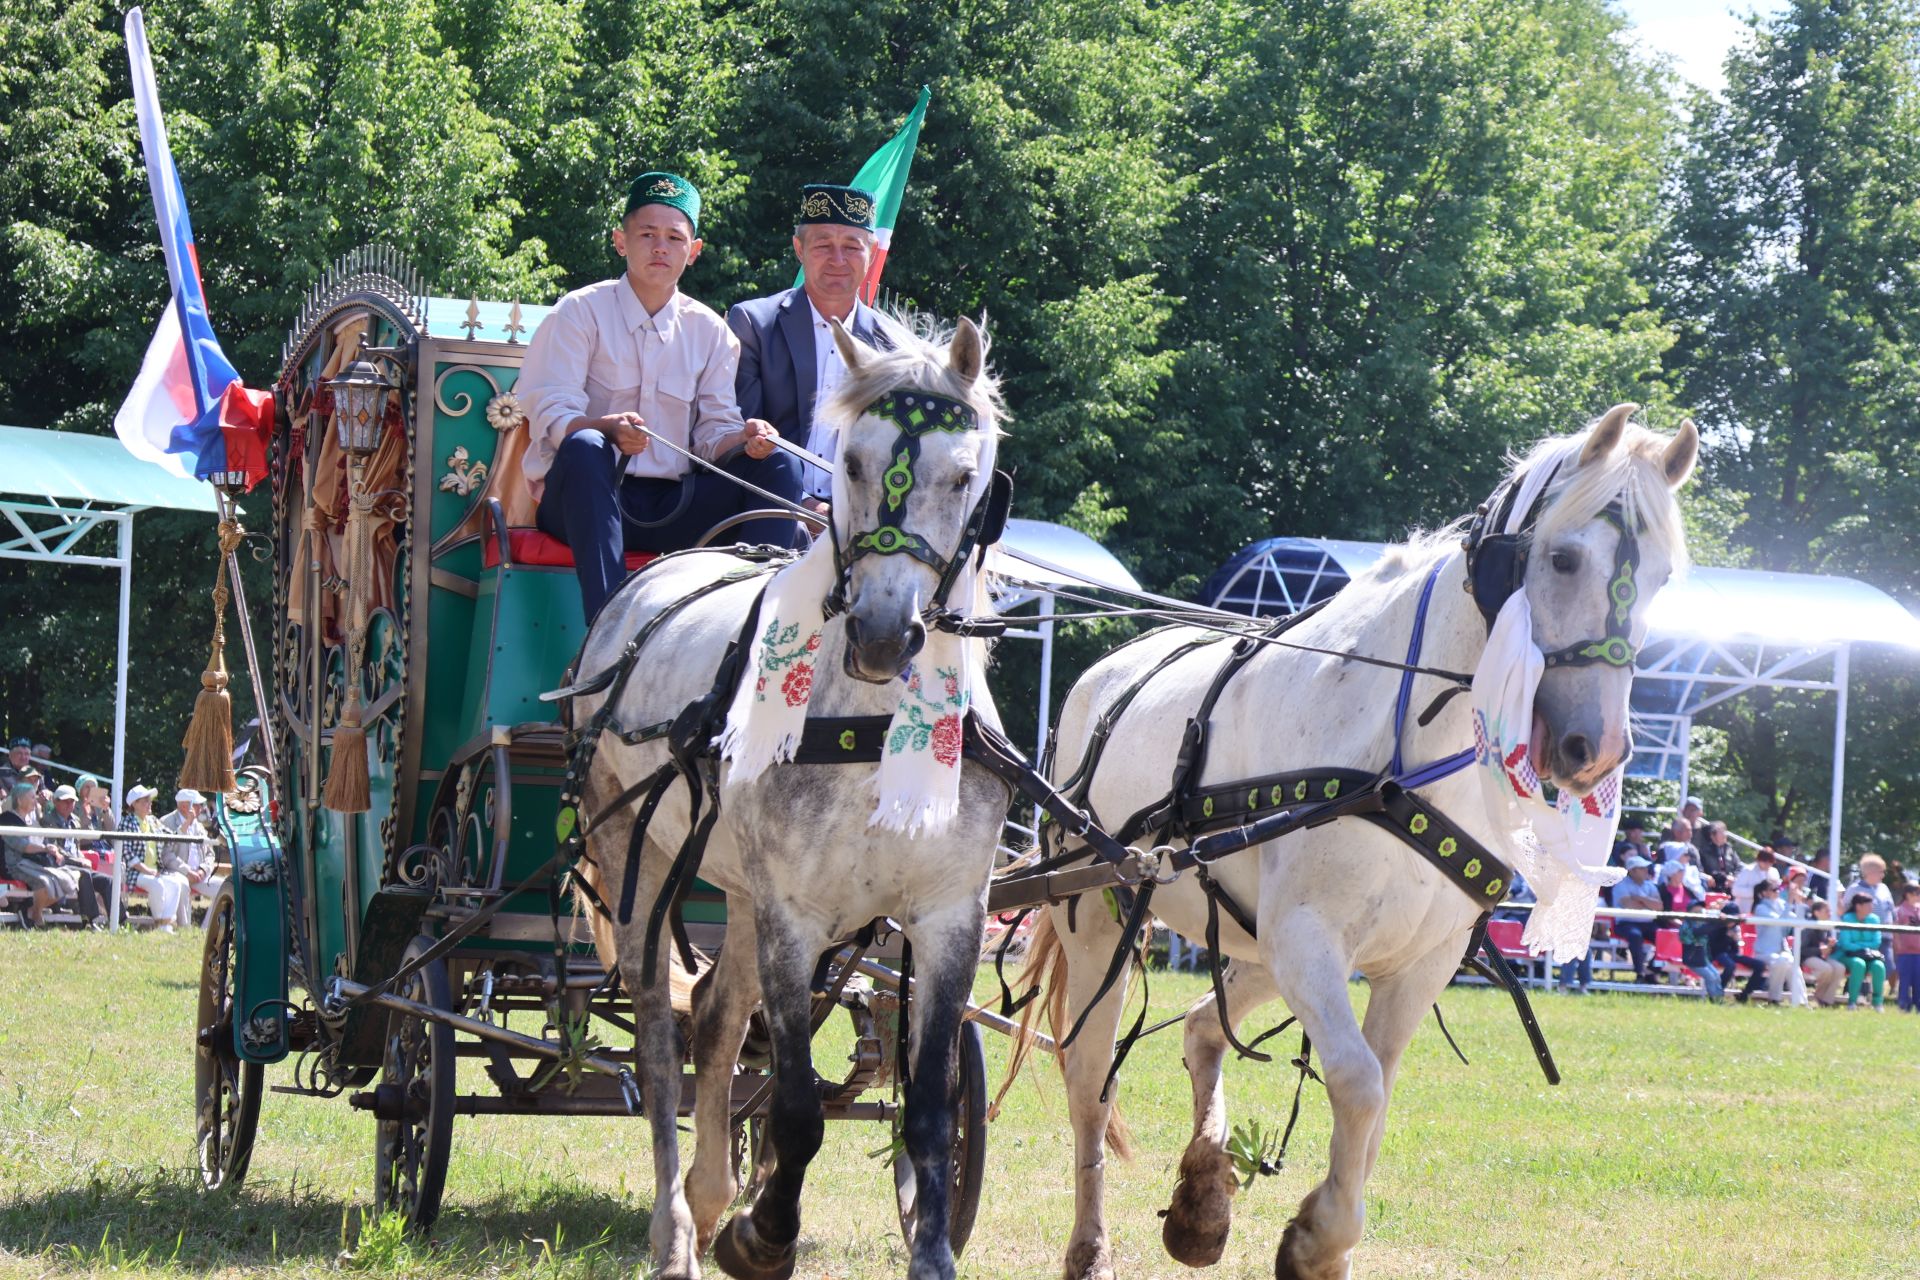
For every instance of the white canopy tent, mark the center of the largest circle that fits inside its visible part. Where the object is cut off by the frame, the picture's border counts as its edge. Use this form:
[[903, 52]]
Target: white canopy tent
[[62, 496], [1714, 634]]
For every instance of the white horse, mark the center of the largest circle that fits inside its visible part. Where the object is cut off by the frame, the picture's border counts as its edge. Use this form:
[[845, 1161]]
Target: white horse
[[1349, 896], [794, 849]]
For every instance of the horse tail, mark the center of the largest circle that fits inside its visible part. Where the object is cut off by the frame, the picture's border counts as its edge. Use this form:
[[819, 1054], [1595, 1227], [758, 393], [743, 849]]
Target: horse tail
[[680, 979], [1046, 970]]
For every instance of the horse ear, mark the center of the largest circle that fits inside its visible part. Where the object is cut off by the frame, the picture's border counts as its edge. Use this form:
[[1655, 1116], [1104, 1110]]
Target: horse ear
[[851, 351], [1677, 459], [968, 354], [1605, 436]]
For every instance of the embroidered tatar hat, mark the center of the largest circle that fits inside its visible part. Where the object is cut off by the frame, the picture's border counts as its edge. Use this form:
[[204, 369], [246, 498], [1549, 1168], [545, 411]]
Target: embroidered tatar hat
[[670, 189], [824, 203]]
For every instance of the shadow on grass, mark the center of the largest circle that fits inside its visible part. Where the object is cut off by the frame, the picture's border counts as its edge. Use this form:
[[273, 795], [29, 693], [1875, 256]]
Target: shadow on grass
[[161, 1219]]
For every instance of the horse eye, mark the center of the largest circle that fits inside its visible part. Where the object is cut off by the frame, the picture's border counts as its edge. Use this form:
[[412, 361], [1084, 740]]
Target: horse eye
[[1565, 561], [964, 481], [855, 471]]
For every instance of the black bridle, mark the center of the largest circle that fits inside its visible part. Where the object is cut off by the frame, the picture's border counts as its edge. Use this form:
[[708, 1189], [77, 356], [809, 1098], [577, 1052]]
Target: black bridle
[[1497, 567], [915, 413]]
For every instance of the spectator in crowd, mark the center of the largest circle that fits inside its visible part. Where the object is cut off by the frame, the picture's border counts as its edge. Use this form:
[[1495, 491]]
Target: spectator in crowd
[[1696, 821], [1762, 868], [1638, 893], [1772, 949], [1821, 860], [96, 807], [1679, 841], [1576, 975], [1859, 950], [169, 896], [1816, 946], [1680, 893], [193, 861], [18, 762], [30, 860], [1718, 858], [1870, 878], [1906, 947], [96, 887], [1633, 840]]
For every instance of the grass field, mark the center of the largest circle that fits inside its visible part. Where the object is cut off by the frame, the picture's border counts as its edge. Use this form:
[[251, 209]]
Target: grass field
[[1687, 1142]]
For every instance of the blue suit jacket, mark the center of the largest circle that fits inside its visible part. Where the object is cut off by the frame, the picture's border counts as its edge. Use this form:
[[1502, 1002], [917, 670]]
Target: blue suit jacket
[[777, 361]]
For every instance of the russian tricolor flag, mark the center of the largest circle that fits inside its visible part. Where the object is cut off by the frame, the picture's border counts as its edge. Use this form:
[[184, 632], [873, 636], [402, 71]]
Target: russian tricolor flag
[[188, 410]]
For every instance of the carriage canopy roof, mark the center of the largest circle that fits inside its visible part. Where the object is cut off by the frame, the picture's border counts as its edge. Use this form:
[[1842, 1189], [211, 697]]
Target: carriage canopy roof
[[65, 467]]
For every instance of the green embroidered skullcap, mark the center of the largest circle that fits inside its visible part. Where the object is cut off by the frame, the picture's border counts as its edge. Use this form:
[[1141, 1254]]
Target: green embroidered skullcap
[[822, 202], [669, 189]]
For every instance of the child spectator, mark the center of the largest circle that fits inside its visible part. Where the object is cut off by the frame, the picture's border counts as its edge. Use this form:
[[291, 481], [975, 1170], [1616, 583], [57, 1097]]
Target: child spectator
[[1906, 948], [1817, 949], [1859, 950]]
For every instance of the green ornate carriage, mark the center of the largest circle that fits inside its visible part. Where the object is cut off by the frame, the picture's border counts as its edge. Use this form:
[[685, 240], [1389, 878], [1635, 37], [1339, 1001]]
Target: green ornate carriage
[[416, 617]]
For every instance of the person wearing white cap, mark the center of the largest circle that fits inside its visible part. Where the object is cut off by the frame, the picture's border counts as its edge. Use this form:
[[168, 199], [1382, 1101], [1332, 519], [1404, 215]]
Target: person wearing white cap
[[169, 896], [1637, 892], [193, 861]]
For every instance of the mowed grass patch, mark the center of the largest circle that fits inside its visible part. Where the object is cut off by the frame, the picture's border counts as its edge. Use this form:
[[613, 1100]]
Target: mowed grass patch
[[1687, 1141]]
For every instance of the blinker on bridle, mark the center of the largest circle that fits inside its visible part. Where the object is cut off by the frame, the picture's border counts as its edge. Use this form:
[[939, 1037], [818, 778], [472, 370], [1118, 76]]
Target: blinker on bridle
[[1497, 567], [916, 413]]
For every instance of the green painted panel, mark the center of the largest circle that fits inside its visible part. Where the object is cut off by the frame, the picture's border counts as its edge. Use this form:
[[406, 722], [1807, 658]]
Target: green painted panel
[[260, 930], [463, 440]]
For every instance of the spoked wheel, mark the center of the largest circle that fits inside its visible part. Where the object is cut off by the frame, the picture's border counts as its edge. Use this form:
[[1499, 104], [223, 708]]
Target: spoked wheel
[[226, 1090], [969, 1145], [415, 1099]]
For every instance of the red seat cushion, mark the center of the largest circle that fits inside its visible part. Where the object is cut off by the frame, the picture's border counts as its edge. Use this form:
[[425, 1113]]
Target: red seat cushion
[[530, 546], [1505, 935]]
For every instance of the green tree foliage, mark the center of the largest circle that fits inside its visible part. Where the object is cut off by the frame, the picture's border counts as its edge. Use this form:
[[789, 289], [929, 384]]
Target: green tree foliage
[[1790, 276], [1249, 268]]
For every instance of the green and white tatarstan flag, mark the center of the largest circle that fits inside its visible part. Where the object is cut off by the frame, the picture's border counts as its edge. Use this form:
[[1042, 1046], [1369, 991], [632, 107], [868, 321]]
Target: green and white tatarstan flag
[[885, 174]]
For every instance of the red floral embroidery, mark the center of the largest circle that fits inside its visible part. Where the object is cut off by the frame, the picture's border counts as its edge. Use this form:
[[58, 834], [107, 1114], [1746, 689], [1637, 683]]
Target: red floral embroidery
[[760, 685], [813, 642], [953, 688], [946, 740], [798, 684]]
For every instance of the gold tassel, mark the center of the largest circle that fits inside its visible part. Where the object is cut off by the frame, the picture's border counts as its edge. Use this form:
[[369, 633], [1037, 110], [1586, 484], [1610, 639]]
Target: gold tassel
[[348, 787], [209, 741]]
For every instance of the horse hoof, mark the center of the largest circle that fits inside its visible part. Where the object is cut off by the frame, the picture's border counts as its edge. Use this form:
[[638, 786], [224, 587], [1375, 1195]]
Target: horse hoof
[[1287, 1264], [1089, 1260], [741, 1253], [1195, 1226]]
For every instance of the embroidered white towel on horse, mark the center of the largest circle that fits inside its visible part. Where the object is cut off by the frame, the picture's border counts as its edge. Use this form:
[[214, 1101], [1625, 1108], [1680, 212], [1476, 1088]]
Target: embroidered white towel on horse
[[1561, 848], [917, 784]]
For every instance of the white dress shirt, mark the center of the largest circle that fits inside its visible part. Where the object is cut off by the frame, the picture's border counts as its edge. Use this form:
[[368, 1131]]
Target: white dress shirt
[[599, 352], [824, 440]]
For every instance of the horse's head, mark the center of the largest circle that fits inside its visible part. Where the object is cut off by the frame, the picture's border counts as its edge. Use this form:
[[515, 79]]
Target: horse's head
[[914, 492], [1604, 537]]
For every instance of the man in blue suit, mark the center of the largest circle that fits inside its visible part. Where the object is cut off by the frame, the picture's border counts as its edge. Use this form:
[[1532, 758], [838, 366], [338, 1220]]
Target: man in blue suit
[[788, 362]]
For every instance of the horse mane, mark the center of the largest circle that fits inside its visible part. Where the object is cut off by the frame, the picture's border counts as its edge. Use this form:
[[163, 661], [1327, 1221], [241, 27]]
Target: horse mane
[[1632, 475], [919, 359]]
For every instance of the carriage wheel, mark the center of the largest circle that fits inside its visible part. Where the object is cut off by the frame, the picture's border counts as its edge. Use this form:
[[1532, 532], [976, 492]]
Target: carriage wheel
[[416, 1075], [226, 1090], [969, 1145]]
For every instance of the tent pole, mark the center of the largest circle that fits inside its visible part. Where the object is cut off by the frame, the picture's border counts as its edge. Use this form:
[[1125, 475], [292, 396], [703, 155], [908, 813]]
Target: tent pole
[[1840, 665], [120, 710], [1046, 690]]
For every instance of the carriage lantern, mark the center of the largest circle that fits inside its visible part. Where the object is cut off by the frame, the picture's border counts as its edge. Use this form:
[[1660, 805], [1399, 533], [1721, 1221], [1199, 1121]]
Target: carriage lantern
[[360, 400]]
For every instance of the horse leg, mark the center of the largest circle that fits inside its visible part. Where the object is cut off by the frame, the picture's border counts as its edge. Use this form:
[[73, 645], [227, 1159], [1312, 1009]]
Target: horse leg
[[1310, 966], [676, 1252], [1087, 948], [723, 1003], [946, 951], [1395, 1008], [758, 1243], [1197, 1222]]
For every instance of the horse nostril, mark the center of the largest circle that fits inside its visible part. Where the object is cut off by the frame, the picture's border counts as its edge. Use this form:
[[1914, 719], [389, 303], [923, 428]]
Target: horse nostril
[[1577, 750], [916, 638]]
